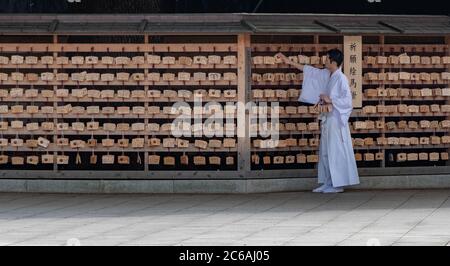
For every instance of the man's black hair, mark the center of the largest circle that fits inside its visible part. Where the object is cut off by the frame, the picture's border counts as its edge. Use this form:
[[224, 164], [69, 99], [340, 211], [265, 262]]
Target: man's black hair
[[336, 55]]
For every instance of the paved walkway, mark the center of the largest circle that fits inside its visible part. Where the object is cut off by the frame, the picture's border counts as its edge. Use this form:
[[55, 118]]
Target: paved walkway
[[420, 217]]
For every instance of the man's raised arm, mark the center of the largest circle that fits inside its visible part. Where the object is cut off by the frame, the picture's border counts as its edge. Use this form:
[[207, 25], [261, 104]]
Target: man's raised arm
[[289, 62]]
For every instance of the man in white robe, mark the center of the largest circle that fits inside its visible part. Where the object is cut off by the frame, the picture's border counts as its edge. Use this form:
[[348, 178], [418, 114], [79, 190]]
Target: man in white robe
[[337, 164]]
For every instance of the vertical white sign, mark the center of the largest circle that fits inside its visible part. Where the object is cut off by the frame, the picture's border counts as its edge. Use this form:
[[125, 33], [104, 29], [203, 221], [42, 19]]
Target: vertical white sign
[[353, 67]]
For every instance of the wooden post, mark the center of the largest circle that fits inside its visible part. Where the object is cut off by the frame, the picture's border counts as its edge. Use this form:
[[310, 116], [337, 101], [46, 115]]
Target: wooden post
[[55, 104], [146, 87], [243, 89], [447, 53], [316, 48], [383, 132]]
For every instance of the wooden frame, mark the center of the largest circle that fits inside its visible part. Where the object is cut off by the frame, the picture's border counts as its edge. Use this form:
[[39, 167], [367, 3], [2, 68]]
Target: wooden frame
[[243, 49]]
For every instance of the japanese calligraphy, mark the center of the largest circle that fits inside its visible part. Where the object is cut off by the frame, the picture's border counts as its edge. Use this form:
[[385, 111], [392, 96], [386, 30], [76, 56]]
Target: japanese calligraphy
[[353, 67]]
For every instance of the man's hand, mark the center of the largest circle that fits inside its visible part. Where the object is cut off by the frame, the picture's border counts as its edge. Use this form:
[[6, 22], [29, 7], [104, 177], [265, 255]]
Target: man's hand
[[325, 98], [283, 58], [288, 61]]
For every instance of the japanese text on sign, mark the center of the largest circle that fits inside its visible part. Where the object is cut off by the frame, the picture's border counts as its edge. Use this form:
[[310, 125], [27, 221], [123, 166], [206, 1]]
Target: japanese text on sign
[[353, 67]]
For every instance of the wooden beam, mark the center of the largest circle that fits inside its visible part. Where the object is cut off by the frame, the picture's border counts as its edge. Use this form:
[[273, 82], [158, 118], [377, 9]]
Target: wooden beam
[[53, 26], [142, 25], [117, 47], [390, 26], [249, 25], [327, 26]]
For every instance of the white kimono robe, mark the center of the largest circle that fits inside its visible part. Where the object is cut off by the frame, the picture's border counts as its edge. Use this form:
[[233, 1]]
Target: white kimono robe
[[337, 164]]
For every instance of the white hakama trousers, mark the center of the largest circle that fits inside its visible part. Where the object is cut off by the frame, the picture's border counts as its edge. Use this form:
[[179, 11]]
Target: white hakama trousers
[[337, 164]]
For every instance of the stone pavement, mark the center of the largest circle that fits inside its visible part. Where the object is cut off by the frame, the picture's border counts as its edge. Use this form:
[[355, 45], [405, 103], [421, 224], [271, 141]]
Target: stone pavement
[[395, 217]]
